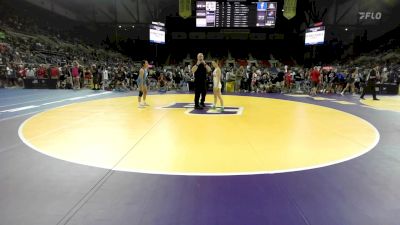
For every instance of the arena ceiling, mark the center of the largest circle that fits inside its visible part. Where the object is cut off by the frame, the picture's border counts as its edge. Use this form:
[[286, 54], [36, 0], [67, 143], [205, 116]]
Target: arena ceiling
[[111, 11], [340, 13], [144, 11]]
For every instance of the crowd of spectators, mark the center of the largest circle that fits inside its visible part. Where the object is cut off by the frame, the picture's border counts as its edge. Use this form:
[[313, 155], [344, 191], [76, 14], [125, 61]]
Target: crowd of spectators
[[121, 75]]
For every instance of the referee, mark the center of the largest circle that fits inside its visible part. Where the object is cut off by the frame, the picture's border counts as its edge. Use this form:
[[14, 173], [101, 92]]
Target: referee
[[371, 80], [200, 71]]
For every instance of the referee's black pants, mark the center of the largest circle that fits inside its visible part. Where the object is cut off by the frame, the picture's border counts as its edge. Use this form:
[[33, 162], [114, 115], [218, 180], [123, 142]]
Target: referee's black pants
[[370, 86], [200, 88]]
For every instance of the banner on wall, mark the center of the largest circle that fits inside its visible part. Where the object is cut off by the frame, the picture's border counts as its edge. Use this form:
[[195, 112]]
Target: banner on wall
[[185, 8], [289, 9]]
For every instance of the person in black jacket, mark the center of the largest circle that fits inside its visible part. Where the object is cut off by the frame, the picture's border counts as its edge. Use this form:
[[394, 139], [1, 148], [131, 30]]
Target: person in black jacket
[[200, 71], [371, 80]]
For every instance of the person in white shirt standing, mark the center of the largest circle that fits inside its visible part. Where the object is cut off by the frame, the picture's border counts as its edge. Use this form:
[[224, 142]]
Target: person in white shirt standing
[[31, 73], [105, 78]]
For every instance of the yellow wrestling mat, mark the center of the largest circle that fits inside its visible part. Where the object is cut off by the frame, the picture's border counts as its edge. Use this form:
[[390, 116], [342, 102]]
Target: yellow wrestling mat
[[254, 136], [391, 103]]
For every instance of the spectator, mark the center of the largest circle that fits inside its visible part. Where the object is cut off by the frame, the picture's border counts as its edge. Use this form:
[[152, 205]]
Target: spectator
[[315, 79], [75, 76], [105, 81], [162, 82], [31, 73], [96, 77]]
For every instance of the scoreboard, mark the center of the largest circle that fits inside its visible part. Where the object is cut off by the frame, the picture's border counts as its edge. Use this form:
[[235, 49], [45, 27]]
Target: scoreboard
[[315, 35], [235, 14]]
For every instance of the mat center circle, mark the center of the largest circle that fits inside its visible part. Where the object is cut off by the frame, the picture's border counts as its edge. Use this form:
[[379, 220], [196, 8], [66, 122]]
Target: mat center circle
[[261, 135]]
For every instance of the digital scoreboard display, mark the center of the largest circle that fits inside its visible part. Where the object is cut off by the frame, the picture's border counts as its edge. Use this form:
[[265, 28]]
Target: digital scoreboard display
[[157, 33], [315, 36], [235, 14]]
